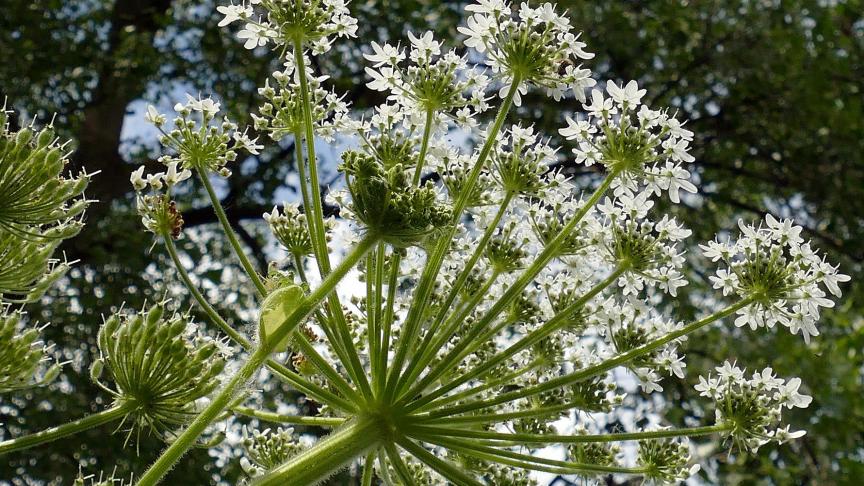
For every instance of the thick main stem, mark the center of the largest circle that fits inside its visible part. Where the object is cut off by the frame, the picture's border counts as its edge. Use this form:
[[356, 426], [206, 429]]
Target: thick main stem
[[48, 435], [328, 456]]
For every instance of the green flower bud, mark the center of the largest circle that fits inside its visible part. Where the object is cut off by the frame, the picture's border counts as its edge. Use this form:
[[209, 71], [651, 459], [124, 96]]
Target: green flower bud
[[21, 355], [388, 203], [157, 367]]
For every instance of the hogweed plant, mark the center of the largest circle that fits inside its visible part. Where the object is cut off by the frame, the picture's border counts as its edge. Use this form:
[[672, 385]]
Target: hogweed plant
[[494, 300]]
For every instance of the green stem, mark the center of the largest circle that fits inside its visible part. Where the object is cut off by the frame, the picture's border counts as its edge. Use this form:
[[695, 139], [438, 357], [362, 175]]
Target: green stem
[[429, 350], [493, 418], [48, 435], [226, 395], [424, 145], [526, 461], [487, 384], [280, 370], [399, 465], [594, 370], [532, 338], [289, 419], [569, 439], [352, 364], [229, 232], [387, 323], [450, 471], [436, 259], [333, 376], [368, 470], [328, 456], [461, 349]]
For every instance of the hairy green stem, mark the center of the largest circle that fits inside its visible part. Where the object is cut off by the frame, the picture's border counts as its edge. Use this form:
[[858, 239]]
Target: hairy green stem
[[463, 347], [436, 259], [453, 473], [527, 461], [288, 419], [352, 364], [532, 338], [399, 465], [526, 438], [48, 435], [332, 453], [368, 470], [280, 370], [229, 232], [594, 370], [428, 349], [424, 145]]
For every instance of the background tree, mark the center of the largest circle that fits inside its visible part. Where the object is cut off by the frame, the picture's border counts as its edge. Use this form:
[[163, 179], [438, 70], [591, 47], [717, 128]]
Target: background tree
[[773, 91]]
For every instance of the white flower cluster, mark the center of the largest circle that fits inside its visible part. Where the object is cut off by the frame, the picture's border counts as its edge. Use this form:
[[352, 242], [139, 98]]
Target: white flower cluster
[[753, 408], [648, 249], [432, 82], [530, 46], [771, 264], [647, 146], [285, 22], [198, 144]]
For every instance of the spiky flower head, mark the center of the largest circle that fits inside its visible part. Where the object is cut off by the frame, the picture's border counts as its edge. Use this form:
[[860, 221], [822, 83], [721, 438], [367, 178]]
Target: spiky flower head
[[159, 365], [521, 161], [281, 114], [38, 201], [290, 229], [666, 460], [40, 206], [772, 265], [432, 82], [22, 355], [534, 46], [752, 408]]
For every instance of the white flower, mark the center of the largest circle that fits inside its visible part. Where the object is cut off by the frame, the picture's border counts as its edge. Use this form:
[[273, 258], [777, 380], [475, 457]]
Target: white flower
[[137, 179], [599, 106], [233, 13], [478, 30], [789, 396], [494, 7], [382, 80], [385, 54], [783, 435], [425, 46], [255, 35], [153, 116], [628, 96], [172, 177]]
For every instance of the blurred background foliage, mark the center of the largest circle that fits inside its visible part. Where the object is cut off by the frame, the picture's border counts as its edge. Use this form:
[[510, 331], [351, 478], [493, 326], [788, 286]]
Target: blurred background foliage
[[772, 89]]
